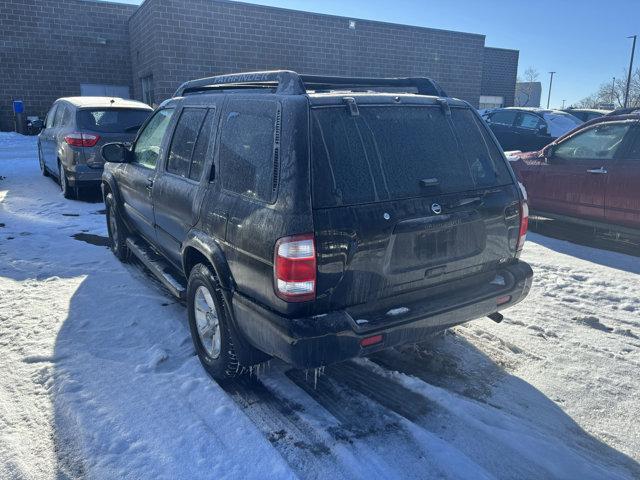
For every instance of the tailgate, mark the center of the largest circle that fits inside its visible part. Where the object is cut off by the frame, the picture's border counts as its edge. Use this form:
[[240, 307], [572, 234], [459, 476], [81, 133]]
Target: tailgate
[[363, 257], [92, 155], [406, 198]]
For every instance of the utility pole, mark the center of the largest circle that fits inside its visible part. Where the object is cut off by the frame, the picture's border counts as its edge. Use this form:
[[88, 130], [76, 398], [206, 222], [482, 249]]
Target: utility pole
[[613, 88], [550, 84], [633, 51]]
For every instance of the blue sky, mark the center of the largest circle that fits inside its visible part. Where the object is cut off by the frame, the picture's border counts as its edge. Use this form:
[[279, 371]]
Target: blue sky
[[584, 41]]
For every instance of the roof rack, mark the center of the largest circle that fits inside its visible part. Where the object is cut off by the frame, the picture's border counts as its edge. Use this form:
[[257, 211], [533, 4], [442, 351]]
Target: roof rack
[[286, 82]]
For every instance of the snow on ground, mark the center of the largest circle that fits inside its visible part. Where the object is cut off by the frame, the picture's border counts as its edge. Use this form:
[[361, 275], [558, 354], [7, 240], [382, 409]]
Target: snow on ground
[[98, 377]]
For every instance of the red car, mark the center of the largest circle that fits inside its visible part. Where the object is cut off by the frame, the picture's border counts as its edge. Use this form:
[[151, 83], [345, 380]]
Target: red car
[[591, 175]]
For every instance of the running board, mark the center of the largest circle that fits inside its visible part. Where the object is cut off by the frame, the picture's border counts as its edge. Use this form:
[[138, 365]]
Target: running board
[[158, 266]]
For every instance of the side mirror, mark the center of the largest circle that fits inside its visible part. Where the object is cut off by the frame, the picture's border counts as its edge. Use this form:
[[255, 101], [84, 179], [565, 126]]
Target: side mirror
[[547, 152], [37, 124], [114, 153], [542, 130]]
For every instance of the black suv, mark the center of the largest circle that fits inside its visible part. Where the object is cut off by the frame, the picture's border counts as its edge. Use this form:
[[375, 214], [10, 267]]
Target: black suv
[[316, 219]]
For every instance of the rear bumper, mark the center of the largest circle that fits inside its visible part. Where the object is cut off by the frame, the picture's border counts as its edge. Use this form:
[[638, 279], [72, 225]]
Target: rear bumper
[[334, 337], [84, 175]]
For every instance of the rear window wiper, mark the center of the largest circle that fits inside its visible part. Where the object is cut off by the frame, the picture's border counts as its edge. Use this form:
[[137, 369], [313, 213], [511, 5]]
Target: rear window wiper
[[134, 127]]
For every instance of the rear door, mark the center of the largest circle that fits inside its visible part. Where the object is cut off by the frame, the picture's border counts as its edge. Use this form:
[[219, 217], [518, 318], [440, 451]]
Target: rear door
[[573, 181], [502, 124], [45, 139], [532, 132], [51, 147], [406, 198], [622, 203], [136, 179], [179, 189]]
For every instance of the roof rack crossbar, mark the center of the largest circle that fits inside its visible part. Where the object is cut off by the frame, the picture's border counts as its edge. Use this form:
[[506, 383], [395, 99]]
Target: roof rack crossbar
[[423, 85], [291, 83]]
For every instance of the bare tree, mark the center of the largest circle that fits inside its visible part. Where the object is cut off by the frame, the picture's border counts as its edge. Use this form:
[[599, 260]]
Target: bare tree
[[530, 76], [613, 93]]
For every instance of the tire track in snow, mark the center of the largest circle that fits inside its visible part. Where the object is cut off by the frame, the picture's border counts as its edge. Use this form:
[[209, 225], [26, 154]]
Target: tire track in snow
[[500, 443], [297, 442], [373, 424]]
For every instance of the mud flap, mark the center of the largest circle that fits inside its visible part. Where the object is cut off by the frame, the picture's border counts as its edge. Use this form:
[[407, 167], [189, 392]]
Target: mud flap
[[246, 353]]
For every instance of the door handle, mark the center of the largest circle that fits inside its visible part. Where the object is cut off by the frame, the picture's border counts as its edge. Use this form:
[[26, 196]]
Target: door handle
[[149, 186], [599, 171]]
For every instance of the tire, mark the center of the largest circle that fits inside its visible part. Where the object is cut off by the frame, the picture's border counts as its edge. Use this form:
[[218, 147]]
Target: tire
[[206, 308], [67, 191], [118, 231], [43, 168]]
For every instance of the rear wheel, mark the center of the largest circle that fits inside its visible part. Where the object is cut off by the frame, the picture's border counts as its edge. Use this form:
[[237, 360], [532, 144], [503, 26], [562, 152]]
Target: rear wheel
[[117, 230], [208, 319], [43, 168], [67, 191]]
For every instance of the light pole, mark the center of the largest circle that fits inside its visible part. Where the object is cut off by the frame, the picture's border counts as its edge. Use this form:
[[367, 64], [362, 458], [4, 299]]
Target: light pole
[[550, 84], [633, 50], [563, 104], [613, 88]]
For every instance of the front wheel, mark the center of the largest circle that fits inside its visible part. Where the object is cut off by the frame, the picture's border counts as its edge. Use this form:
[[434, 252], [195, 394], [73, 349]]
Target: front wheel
[[208, 324], [117, 230]]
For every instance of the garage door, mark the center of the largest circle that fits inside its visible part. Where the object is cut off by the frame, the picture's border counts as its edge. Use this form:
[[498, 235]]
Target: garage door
[[97, 90]]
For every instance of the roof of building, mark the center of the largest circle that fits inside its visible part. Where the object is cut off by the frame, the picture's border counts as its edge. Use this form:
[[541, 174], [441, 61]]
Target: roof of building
[[101, 102]]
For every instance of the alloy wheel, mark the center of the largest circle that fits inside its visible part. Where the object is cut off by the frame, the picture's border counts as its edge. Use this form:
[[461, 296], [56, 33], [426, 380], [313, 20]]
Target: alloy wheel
[[207, 321]]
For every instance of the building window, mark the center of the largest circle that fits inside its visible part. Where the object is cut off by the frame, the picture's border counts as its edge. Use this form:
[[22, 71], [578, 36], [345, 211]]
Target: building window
[[147, 90], [491, 101]]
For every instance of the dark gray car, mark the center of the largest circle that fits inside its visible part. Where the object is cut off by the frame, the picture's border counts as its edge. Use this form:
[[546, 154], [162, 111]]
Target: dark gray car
[[76, 128]]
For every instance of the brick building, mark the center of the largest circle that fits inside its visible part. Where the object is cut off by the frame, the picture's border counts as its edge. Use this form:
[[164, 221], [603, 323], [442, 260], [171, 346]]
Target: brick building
[[54, 48]]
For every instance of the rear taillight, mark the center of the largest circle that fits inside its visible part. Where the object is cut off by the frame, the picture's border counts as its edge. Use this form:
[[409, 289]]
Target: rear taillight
[[503, 299], [368, 341], [78, 139], [294, 266], [524, 219]]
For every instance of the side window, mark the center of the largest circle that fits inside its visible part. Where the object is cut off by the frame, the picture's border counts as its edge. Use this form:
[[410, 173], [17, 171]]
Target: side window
[[599, 142], [147, 147], [248, 159], [633, 153], [66, 116], [503, 117], [59, 112], [529, 121], [184, 141], [200, 151], [50, 116]]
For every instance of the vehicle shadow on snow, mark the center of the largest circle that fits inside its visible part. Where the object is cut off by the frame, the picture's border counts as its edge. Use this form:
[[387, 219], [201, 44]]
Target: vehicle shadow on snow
[[581, 242], [125, 367]]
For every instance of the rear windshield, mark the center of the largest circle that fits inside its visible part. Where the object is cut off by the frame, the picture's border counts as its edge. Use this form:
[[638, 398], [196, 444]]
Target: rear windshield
[[388, 153], [112, 120]]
